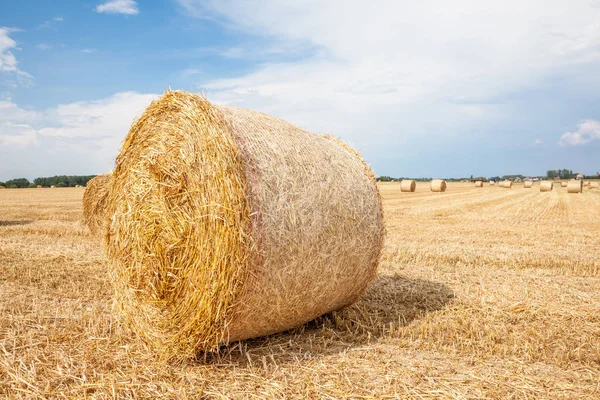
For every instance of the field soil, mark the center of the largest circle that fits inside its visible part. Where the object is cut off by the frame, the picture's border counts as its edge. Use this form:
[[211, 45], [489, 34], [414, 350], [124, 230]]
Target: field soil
[[481, 293]]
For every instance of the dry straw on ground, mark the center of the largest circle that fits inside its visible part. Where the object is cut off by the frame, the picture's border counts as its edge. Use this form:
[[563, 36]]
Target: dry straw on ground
[[442, 320], [408, 185], [507, 184], [229, 224], [528, 184], [95, 202], [546, 186], [438, 185], [575, 186], [479, 184]]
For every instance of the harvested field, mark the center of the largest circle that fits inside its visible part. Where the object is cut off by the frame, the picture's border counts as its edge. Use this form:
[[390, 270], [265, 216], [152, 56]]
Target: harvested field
[[482, 293]]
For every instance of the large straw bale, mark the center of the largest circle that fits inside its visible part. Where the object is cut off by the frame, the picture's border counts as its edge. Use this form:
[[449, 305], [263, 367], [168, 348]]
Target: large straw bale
[[478, 183], [229, 224], [528, 184], [438, 185], [507, 184], [408, 185], [546, 186], [95, 202], [594, 185], [2, 187], [575, 186], [563, 184]]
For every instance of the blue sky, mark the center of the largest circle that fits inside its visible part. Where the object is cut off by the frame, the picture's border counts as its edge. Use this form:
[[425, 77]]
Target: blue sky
[[430, 89]]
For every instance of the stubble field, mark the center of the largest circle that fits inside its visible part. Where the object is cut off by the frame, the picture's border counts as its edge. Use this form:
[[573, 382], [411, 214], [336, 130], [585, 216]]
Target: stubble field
[[482, 293]]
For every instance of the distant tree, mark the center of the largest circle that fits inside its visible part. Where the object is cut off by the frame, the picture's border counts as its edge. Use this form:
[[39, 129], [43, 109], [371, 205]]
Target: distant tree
[[63, 180], [17, 183]]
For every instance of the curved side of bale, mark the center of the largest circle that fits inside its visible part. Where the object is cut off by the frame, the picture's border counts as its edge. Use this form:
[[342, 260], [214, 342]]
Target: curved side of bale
[[2, 187], [594, 185], [408, 185], [438, 185], [507, 184], [546, 186], [492, 183], [528, 184], [228, 224], [478, 183], [575, 186], [563, 184], [95, 202]]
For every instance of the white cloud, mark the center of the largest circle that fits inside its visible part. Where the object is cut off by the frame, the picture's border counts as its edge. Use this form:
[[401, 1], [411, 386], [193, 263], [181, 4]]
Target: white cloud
[[89, 51], [538, 141], [394, 68], [44, 46], [8, 62], [75, 138], [588, 131], [59, 19], [17, 135], [127, 7]]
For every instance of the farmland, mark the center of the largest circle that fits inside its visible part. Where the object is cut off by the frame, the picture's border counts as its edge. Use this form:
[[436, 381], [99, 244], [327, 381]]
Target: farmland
[[481, 293]]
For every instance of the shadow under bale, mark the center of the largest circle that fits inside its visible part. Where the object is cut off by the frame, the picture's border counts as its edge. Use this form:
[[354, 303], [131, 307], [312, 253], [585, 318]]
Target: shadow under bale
[[16, 222], [390, 302]]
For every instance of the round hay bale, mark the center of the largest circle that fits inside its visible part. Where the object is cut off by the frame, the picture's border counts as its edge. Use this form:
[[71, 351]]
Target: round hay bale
[[594, 185], [478, 183], [408, 185], [546, 186], [39, 187], [575, 186], [2, 187], [95, 201], [227, 224], [438, 185], [528, 184], [507, 184], [52, 186], [563, 184], [492, 183]]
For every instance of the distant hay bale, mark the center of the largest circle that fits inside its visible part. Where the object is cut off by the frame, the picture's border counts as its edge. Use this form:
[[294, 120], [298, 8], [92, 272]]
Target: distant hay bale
[[528, 184], [408, 185], [492, 183], [39, 186], [594, 185], [2, 187], [52, 186], [507, 184], [546, 186], [563, 184], [438, 185], [77, 186], [479, 184], [575, 186], [95, 201], [227, 224]]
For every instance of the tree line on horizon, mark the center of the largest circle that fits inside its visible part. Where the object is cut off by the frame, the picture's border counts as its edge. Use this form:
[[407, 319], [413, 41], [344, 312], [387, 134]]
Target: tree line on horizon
[[57, 181], [550, 174]]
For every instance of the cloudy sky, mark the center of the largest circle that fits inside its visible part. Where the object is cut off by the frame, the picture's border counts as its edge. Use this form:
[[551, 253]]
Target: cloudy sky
[[429, 88]]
